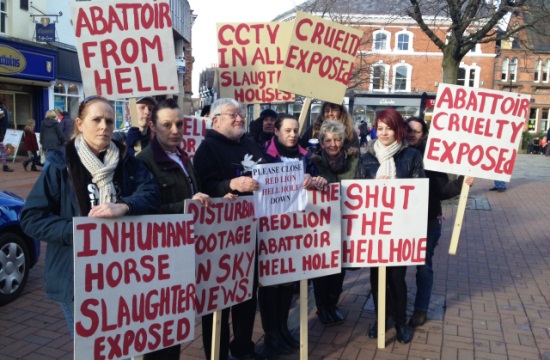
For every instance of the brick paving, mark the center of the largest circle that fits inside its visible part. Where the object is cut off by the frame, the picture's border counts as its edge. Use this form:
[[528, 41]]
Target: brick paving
[[496, 290]]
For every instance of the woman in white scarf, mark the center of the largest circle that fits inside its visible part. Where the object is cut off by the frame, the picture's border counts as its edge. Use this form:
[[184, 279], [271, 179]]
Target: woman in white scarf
[[388, 157], [93, 176]]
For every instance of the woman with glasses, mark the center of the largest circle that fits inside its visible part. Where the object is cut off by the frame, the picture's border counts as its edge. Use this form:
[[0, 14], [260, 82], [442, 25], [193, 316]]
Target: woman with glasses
[[332, 165], [93, 177], [331, 111], [389, 157], [440, 188]]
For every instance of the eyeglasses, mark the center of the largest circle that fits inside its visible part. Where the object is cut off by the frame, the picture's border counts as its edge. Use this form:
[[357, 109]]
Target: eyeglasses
[[232, 115]]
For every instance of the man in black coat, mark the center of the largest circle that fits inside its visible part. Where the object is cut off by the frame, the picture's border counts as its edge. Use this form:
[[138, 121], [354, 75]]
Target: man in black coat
[[223, 162]]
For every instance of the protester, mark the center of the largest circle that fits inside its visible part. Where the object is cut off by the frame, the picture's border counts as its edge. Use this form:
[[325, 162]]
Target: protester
[[67, 126], [262, 129], [174, 173], [93, 177], [334, 164], [543, 144], [330, 111], [31, 146], [51, 134], [223, 161], [4, 124], [138, 137], [388, 157], [363, 133], [440, 188], [275, 301]]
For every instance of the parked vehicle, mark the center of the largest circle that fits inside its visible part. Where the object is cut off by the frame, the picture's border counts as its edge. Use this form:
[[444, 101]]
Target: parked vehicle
[[18, 252]]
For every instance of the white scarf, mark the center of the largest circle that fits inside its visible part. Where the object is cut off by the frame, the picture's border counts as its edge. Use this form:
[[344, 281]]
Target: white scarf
[[102, 172], [385, 154]]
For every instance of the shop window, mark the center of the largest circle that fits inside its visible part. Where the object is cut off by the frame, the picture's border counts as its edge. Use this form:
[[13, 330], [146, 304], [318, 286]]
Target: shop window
[[59, 88]]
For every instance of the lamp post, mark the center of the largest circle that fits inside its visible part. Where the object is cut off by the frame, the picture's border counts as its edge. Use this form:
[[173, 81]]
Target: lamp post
[[512, 66]]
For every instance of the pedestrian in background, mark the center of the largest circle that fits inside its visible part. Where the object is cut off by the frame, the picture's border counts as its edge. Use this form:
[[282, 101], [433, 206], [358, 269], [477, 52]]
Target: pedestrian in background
[[93, 177], [30, 144], [4, 125], [51, 134], [67, 125]]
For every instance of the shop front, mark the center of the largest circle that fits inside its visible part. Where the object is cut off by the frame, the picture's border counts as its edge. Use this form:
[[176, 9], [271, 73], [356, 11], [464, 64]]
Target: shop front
[[27, 70]]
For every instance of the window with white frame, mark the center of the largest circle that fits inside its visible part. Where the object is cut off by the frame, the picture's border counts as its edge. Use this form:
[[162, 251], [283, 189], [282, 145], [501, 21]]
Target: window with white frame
[[381, 40], [537, 72], [404, 41], [67, 97], [3, 16], [545, 69], [468, 75], [379, 77], [504, 70], [402, 78], [513, 69]]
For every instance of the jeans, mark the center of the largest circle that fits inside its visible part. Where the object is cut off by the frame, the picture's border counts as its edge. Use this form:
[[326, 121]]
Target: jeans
[[425, 273], [68, 311], [500, 184], [396, 296]]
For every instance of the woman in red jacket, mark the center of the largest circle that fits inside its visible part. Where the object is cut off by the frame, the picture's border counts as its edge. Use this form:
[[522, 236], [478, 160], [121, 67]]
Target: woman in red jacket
[[31, 146]]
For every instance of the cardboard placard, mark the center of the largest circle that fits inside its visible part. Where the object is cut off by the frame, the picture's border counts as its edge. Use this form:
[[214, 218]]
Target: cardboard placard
[[251, 57], [301, 245], [125, 48], [476, 132], [225, 247], [384, 222], [134, 284], [320, 58]]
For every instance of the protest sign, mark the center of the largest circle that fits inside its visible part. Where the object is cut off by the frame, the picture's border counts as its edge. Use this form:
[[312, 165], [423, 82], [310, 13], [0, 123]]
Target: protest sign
[[134, 284], [225, 248], [320, 58], [250, 57], [384, 222], [301, 245], [194, 129], [125, 48], [476, 132], [281, 189]]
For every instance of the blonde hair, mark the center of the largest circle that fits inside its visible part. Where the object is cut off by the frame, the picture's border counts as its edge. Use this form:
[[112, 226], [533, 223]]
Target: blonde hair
[[31, 124], [51, 114]]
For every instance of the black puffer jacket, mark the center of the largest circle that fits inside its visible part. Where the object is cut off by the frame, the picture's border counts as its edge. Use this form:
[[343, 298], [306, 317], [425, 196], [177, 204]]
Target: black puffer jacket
[[408, 163]]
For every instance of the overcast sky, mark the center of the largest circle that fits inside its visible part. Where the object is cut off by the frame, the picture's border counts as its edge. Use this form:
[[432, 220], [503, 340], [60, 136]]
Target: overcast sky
[[210, 12]]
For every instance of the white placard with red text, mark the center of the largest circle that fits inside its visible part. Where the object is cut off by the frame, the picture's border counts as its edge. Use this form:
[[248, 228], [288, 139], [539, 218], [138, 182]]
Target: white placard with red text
[[194, 129], [125, 48], [301, 245], [134, 284], [476, 132], [281, 189], [384, 222], [225, 247]]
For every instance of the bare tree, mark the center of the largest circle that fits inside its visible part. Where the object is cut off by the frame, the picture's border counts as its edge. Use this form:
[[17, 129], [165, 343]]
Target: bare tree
[[474, 22]]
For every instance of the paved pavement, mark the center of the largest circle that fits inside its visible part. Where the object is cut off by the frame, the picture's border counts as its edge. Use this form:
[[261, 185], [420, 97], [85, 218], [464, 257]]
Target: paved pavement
[[495, 291]]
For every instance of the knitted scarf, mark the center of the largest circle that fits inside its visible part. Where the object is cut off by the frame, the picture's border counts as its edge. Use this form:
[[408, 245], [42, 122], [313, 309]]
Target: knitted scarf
[[385, 154], [102, 171]]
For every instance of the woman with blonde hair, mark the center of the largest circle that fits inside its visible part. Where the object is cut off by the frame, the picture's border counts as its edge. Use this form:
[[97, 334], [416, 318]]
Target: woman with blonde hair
[[331, 111], [51, 134]]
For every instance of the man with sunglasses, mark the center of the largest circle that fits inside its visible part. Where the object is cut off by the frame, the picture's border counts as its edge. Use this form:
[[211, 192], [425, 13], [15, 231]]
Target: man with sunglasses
[[224, 162]]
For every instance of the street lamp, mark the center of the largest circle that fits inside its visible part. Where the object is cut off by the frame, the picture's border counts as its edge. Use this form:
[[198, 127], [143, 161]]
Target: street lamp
[[512, 66]]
